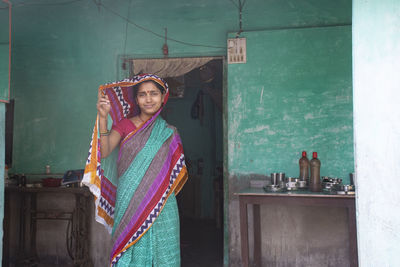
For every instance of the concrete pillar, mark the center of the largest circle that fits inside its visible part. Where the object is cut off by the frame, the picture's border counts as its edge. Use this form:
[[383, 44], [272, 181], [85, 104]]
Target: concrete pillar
[[376, 83]]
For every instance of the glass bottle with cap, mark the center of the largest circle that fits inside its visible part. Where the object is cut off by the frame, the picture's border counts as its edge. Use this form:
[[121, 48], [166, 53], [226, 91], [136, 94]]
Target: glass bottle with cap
[[315, 167], [304, 165]]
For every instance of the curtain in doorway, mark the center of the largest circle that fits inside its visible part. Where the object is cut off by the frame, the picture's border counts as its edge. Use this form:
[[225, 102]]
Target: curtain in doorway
[[168, 67]]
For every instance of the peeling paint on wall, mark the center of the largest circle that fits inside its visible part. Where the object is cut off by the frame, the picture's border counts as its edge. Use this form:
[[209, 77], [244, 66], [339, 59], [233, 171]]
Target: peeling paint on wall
[[299, 98]]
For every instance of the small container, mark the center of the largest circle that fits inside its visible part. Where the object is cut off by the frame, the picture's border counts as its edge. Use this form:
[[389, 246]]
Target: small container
[[329, 183], [352, 178], [274, 188], [278, 178], [281, 177], [292, 183], [274, 178], [302, 184], [48, 170]]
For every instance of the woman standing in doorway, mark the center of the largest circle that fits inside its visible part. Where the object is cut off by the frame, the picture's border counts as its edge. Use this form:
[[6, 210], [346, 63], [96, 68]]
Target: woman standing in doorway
[[135, 188]]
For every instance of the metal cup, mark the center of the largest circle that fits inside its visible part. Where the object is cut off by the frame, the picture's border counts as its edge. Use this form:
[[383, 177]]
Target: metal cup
[[277, 178], [281, 177], [274, 178], [351, 178]]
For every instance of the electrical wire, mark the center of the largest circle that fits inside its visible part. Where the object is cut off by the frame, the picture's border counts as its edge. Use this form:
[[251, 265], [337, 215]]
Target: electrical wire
[[44, 4], [233, 2], [98, 3], [126, 26], [239, 6], [154, 33]]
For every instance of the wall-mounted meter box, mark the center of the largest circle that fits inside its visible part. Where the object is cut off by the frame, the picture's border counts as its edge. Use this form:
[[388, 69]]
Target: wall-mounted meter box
[[236, 50]]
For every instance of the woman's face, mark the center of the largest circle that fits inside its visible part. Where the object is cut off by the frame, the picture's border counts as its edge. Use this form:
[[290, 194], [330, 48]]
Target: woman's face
[[149, 98]]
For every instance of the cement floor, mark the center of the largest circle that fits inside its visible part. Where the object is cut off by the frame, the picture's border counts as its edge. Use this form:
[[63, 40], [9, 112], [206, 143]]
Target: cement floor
[[201, 244]]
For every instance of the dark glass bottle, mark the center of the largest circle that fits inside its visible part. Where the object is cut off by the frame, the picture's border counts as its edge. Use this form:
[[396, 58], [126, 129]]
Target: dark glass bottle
[[315, 167], [304, 165]]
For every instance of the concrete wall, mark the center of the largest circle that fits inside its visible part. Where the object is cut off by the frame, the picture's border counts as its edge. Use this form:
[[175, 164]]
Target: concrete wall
[[376, 50]]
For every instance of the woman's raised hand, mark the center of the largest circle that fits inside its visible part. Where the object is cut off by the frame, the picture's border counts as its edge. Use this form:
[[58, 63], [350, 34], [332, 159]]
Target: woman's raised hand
[[103, 105]]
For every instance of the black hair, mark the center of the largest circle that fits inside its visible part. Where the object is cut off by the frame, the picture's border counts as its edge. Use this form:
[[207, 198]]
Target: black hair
[[136, 87]]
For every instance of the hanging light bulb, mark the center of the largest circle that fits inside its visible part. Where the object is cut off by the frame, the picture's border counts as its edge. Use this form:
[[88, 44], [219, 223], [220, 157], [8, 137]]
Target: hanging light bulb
[[165, 46]]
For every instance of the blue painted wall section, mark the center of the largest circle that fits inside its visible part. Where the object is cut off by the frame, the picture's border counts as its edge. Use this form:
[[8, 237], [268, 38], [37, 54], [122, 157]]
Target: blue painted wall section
[[293, 94]]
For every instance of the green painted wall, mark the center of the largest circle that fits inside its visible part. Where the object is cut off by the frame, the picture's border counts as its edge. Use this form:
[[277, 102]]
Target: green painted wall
[[4, 54], [57, 71], [293, 94], [2, 152], [61, 53], [4, 81]]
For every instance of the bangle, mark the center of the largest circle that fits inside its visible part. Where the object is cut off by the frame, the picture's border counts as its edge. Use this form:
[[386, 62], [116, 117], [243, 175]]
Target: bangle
[[104, 133]]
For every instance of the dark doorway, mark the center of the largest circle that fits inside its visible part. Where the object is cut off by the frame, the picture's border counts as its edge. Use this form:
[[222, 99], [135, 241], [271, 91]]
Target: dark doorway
[[197, 114]]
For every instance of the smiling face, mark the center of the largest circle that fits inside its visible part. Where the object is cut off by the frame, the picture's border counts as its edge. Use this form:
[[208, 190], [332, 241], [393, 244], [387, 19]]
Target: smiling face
[[149, 98]]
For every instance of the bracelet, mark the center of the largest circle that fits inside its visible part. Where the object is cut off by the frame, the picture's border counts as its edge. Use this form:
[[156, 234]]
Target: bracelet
[[104, 133]]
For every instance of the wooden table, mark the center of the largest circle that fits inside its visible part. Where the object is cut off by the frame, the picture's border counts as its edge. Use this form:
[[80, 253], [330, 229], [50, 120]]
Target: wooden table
[[30, 213], [257, 196]]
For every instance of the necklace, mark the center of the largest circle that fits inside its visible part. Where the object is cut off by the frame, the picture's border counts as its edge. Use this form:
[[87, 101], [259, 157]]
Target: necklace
[[140, 119]]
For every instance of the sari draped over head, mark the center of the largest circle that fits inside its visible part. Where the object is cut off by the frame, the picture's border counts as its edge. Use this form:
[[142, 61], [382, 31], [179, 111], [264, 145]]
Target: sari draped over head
[[147, 169]]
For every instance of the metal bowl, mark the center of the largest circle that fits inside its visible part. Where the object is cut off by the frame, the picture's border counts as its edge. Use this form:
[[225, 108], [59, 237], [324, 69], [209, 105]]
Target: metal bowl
[[329, 184], [335, 180], [344, 188], [292, 179], [302, 184], [274, 188]]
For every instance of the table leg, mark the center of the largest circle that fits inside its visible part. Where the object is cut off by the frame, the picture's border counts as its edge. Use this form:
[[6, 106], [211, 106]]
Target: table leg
[[244, 235], [33, 229], [6, 229], [22, 225], [257, 235], [352, 236]]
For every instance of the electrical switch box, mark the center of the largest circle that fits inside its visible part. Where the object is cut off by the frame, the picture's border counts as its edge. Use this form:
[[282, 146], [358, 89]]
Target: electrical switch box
[[236, 50]]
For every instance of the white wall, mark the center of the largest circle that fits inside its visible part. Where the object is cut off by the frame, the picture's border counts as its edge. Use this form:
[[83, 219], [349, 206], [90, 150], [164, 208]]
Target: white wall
[[376, 66]]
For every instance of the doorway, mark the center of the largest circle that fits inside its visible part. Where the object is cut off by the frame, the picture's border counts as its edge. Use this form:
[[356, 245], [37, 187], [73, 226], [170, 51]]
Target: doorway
[[195, 108], [197, 114]]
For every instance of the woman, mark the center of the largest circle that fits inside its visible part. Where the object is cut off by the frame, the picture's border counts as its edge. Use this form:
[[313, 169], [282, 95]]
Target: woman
[[139, 206]]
